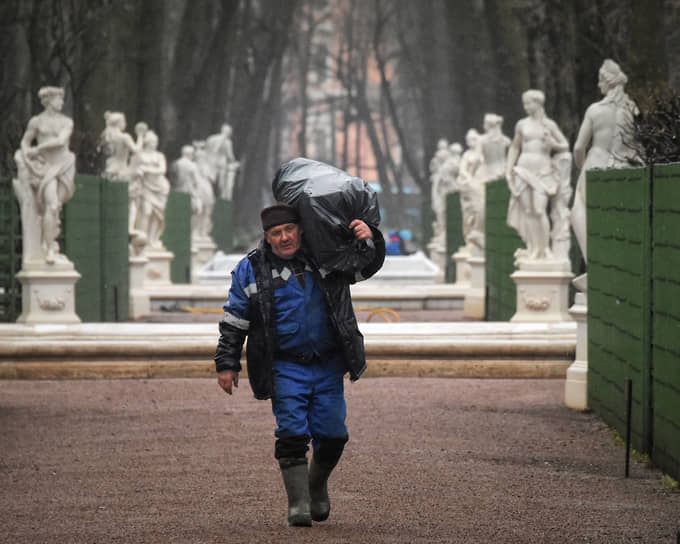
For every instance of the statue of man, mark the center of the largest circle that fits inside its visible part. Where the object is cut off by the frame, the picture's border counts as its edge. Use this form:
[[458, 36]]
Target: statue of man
[[223, 163], [45, 178], [537, 171], [605, 139]]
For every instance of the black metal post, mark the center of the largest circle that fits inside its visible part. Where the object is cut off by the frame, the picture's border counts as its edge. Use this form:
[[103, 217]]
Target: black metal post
[[629, 402]]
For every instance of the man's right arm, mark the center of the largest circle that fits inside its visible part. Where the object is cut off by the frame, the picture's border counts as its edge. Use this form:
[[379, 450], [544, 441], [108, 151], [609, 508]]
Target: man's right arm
[[234, 326]]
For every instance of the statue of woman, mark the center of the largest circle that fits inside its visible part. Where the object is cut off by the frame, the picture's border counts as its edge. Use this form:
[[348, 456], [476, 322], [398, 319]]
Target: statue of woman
[[537, 171], [148, 168], [607, 134], [45, 178], [118, 146], [471, 191]]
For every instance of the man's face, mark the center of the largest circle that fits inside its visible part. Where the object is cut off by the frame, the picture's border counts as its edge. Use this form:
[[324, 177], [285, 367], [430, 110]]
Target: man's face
[[284, 239]]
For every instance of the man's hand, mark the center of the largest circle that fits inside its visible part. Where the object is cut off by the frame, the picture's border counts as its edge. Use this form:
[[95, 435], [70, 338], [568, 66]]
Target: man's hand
[[361, 230], [226, 379]]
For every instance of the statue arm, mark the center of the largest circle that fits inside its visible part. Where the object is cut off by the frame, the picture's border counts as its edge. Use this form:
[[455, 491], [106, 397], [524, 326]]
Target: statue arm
[[559, 141], [60, 140], [513, 153], [585, 134]]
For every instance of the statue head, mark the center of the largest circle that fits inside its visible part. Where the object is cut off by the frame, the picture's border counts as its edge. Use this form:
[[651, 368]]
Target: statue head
[[188, 151], [532, 100], [115, 119], [491, 120], [471, 137], [226, 129], [611, 76], [151, 140], [456, 148], [442, 143], [53, 96]]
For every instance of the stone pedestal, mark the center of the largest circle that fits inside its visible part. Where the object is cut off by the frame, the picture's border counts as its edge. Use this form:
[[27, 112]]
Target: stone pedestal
[[542, 290], [48, 292], [202, 251], [157, 271], [576, 386], [438, 257], [463, 272], [475, 297], [140, 302]]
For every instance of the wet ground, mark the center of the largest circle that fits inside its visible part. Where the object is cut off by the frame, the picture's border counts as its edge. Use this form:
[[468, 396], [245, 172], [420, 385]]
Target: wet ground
[[429, 460]]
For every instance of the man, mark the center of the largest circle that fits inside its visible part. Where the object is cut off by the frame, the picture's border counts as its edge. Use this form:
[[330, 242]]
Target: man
[[302, 339]]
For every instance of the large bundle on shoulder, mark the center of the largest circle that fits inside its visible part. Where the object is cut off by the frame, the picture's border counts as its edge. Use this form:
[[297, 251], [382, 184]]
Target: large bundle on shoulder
[[328, 199]]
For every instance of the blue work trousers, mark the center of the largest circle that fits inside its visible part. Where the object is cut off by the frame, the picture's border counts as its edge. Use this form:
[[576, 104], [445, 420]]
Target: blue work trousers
[[309, 400]]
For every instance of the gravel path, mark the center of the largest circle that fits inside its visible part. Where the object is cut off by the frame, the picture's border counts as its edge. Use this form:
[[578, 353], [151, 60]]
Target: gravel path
[[429, 460]]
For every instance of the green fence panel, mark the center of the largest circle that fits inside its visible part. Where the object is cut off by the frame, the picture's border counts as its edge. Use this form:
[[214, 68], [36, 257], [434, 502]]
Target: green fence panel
[[10, 253], [665, 336], [501, 243], [619, 275], [95, 238], [177, 235], [81, 235], [223, 228], [115, 252], [454, 233]]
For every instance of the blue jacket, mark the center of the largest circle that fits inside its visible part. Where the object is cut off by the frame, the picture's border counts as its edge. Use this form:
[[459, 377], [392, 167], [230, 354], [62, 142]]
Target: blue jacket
[[267, 305]]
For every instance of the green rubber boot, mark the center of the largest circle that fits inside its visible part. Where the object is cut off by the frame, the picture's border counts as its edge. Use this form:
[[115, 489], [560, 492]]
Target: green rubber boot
[[318, 489], [296, 479]]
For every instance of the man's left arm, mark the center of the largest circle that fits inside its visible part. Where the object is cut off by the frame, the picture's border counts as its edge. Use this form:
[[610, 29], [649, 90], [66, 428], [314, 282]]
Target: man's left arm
[[363, 231]]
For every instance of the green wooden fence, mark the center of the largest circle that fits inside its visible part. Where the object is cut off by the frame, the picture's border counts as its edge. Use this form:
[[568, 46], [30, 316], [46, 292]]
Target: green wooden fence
[[633, 217], [454, 233], [10, 253], [95, 238], [177, 235]]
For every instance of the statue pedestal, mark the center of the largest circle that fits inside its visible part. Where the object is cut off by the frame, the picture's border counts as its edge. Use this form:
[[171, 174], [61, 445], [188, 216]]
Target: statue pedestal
[[542, 290], [438, 256], [576, 386], [202, 251], [463, 272], [48, 292], [158, 268], [140, 302], [474, 304]]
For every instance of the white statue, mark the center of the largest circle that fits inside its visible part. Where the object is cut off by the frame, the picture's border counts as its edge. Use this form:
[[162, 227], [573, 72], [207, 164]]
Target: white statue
[[538, 174], [605, 139], [494, 146], [471, 189], [189, 179], [437, 190], [45, 178], [204, 191], [118, 146], [150, 189], [222, 163]]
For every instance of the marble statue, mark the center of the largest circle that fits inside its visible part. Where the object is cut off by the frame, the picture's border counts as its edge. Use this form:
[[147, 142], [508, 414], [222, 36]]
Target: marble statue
[[189, 179], [45, 178], [605, 139], [221, 162], [149, 189], [538, 174], [438, 190], [494, 147], [118, 146], [471, 189]]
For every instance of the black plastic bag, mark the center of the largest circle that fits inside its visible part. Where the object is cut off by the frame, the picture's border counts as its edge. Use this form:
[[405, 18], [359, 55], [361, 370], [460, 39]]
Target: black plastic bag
[[328, 199]]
